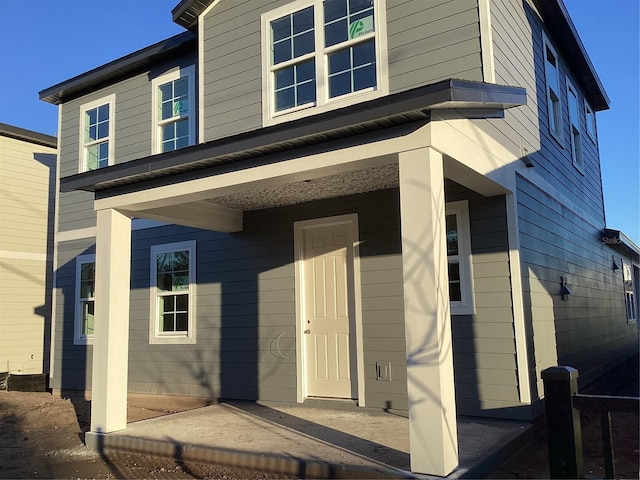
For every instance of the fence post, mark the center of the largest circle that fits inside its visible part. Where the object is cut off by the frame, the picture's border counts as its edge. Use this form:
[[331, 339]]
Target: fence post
[[564, 435]]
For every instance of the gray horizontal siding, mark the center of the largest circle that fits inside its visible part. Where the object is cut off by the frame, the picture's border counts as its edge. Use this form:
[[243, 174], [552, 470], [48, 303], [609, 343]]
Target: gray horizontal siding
[[75, 211], [72, 363], [132, 136], [246, 307], [427, 41], [232, 98], [589, 329], [246, 302], [517, 33], [432, 41], [483, 343]]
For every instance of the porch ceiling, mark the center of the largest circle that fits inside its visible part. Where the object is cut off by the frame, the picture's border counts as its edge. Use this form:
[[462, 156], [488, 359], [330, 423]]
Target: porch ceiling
[[339, 185]]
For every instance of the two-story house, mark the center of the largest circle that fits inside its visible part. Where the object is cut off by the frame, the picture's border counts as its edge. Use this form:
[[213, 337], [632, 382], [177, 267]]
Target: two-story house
[[380, 201], [27, 194]]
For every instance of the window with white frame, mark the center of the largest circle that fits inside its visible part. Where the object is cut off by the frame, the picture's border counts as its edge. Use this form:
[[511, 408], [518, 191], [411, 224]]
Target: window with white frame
[[459, 258], [85, 299], [629, 293], [96, 133], [574, 126], [590, 117], [321, 54], [173, 293], [552, 75], [174, 115]]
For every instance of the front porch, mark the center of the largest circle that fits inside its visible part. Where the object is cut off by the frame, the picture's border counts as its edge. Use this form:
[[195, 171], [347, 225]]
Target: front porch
[[344, 441], [221, 186]]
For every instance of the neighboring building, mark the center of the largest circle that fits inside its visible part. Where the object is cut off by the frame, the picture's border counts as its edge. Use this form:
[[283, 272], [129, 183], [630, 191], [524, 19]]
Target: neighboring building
[[27, 194], [380, 201]]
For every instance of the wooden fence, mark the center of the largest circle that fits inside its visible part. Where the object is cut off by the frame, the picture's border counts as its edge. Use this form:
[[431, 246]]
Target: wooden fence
[[564, 435]]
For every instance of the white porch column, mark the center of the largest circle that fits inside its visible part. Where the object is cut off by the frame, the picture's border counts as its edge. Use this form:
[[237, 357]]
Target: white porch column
[[111, 335], [430, 385]]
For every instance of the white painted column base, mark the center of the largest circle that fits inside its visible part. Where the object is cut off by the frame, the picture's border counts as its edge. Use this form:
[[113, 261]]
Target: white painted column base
[[111, 335], [430, 383]]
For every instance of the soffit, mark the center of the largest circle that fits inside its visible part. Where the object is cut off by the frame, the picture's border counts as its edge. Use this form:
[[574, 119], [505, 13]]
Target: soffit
[[186, 13]]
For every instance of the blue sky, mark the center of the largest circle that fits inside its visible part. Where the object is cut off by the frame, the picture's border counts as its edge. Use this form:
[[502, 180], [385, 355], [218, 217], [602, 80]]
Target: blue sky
[[58, 39]]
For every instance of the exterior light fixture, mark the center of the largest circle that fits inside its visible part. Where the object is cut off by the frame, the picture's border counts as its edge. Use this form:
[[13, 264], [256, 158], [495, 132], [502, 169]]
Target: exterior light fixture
[[564, 288]]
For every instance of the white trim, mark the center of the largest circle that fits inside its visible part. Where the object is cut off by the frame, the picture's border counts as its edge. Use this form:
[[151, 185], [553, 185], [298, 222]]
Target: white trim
[[54, 278], [630, 301], [557, 132], [355, 304], [77, 234], [590, 112], [201, 62], [486, 41], [90, 232], [108, 100], [31, 256], [154, 336], [466, 306], [577, 156], [517, 301], [323, 103], [78, 337], [170, 76]]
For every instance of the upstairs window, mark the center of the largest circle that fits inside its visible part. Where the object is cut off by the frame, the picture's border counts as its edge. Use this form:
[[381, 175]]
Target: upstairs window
[[459, 258], [85, 299], [321, 54], [552, 75], [173, 291], [590, 117], [96, 134], [174, 110], [574, 126]]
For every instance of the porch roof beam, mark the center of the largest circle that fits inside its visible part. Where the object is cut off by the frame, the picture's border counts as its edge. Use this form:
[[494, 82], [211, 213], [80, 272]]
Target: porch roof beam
[[205, 215]]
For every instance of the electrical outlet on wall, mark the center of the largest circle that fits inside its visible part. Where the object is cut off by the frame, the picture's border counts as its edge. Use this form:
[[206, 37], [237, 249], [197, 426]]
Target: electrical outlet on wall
[[383, 371]]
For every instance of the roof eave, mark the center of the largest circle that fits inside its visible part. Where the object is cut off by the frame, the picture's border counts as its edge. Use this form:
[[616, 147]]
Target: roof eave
[[186, 13], [30, 136], [556, 17], [616, 238], [99, 76]]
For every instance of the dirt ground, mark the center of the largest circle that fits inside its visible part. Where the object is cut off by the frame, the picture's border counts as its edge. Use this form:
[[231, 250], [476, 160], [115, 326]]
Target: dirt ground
[[532, 461], [42, 437]]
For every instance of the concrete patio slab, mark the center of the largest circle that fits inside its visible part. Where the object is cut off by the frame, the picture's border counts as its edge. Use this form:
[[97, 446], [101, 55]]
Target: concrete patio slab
[[309, 442]]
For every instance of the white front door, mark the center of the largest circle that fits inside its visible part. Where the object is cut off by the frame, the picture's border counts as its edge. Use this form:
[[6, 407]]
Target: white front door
[[327, 319]]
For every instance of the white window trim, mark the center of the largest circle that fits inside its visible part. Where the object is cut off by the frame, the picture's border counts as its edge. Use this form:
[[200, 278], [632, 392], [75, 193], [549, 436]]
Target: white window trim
[[78, 337], [466, 306], [174, 74], [108, 100], [557, 133], [628, 276], [578, 161], [589, 112], [323, 103], [177, 338]]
